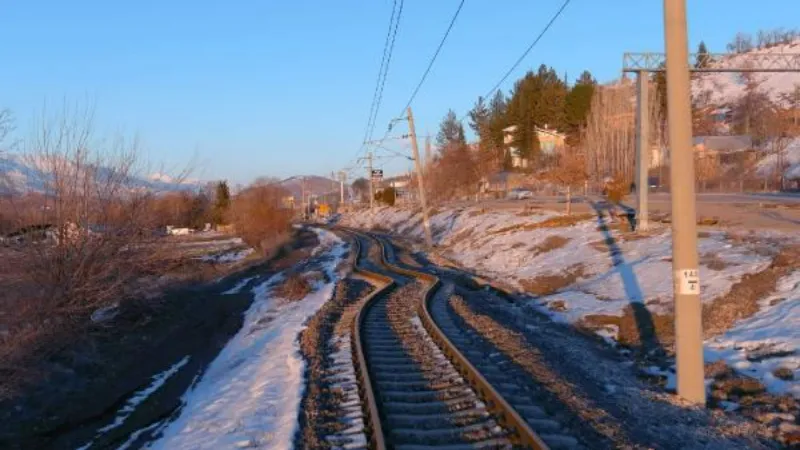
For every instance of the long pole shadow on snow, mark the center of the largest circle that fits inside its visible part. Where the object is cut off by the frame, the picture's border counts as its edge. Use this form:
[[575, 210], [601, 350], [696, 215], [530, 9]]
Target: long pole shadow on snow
[[633, 290]]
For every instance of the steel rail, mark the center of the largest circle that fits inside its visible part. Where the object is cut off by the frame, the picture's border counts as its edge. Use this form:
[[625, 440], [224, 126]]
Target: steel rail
[[521, 433]]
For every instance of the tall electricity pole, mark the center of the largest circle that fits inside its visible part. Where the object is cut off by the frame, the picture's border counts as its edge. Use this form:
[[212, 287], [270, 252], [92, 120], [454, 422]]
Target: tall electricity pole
[[333, 188], [303, 200], [342, 178], [642, 149], [686, 282], [371, 184], [428, 152], [420, 178]]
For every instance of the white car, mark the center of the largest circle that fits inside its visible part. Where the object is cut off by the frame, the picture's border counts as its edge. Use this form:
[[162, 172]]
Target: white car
[[520, 194]]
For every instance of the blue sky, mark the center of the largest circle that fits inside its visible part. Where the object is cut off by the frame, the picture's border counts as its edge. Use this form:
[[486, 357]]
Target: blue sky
[[284, 87]]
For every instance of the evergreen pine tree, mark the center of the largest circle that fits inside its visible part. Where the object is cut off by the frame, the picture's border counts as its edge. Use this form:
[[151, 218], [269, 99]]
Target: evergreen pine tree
[[577, 105], [497, 122], [222, 201], [703, 57], [451, 131]]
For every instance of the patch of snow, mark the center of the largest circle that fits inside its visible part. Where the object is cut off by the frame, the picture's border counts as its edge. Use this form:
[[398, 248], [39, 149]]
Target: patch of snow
[[212, 243], [138, 397], [105, 313], [251, 392], [239, 286], [767, 341], [790, 156], [229, 257], [615, 274]]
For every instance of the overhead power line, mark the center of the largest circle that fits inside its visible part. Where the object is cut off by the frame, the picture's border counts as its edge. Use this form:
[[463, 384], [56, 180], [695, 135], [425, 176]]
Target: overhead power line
[[435, 55], [380, 74], [528, 50], [524, 54], [385, 71]]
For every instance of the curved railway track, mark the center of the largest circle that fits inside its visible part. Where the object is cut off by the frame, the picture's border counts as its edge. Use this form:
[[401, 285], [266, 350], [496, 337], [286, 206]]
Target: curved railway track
[[418, 389]]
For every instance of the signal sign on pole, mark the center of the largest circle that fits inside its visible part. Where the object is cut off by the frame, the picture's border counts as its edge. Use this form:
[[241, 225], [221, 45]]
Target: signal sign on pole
[[377, 174]]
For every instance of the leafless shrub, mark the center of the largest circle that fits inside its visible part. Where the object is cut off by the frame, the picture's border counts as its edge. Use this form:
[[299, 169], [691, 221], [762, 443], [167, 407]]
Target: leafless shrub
[[259, 216], [608, 140], [84, 237], [294, 288], [98, 220]]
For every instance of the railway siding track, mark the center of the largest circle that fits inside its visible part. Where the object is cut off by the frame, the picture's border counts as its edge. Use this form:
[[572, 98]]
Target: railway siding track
[[474, 408]]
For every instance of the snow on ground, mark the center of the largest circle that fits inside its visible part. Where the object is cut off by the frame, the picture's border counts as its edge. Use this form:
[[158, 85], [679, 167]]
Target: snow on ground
[[137, 398], [208, 242], [791, 157], [615, 274], [228, 257], [640, 271], [250, 394], [767, 341]]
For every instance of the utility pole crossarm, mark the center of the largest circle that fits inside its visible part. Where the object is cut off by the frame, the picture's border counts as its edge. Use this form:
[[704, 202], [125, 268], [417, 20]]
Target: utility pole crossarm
[[716, 62]]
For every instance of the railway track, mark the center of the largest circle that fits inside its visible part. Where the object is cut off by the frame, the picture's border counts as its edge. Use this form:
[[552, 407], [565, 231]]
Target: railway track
[[418, 390]]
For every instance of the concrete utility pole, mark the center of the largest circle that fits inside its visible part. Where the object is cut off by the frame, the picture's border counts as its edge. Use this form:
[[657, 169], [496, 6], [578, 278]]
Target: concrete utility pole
[[642, 149], [303, 197], [342, 178], [686, 281], [371, 184], [333, 187], [428, 153], [420, 179]]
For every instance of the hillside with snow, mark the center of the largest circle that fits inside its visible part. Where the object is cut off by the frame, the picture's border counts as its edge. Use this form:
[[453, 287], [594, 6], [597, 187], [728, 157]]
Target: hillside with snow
[[790, 158], [728, 88], [583, 273]]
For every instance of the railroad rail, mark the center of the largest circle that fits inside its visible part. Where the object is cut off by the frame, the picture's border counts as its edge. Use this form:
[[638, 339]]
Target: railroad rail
[[404, 405]]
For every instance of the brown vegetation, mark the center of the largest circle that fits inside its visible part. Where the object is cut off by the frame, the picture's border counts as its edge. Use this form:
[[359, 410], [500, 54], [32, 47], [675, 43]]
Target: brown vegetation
[[609, 135], [718, 316], [551, 222], [294, 288], [549, 244], [742, 300], [551, 283], [259, 217]]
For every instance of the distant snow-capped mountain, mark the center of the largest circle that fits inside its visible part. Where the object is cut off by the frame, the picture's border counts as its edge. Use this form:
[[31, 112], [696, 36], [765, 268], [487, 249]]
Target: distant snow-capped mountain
[[22, 174]]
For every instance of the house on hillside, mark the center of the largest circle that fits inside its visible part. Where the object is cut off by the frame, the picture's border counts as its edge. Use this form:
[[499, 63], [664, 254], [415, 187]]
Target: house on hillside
[[724, 149], [551, 142]]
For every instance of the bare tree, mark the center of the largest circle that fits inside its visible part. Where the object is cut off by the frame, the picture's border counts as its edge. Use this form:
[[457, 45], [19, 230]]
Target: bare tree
[[741, 43], [569, 172], [98, 217], [707, 168], [608, 141], [259, 216]]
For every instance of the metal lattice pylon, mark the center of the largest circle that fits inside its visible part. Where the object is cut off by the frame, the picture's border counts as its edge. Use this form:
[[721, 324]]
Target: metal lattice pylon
[[716, 62]]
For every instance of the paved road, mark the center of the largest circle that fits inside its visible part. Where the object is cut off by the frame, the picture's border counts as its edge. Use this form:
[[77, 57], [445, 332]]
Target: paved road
[[748, 211]]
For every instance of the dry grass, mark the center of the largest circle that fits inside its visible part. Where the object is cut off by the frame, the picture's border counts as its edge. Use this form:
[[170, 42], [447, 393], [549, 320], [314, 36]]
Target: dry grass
[[552, 222], [708, 221], [476, 212], [634, 330], [551, 243], [742, 300], [294, 288], [714, 262], [740, 303], [549, 284]]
